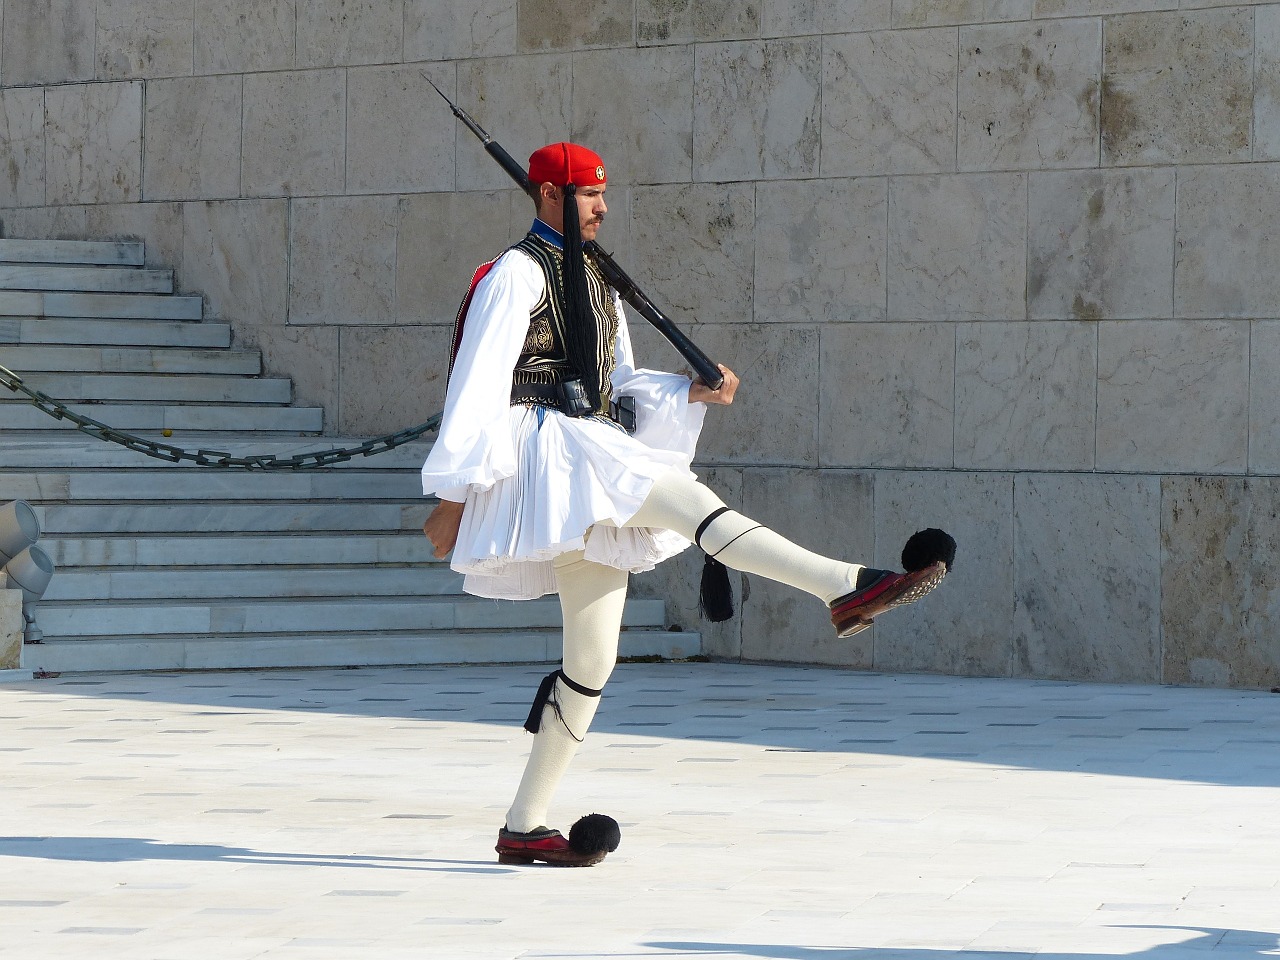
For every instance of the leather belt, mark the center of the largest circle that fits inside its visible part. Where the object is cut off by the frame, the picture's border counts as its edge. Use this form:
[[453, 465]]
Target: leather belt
[[568, 399]]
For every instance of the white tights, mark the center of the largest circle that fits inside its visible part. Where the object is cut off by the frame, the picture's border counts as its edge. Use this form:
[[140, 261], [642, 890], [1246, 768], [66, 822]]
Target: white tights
[[591, 601]]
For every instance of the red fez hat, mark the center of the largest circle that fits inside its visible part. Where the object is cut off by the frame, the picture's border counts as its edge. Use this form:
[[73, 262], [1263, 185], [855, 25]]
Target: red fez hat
[[562, 163]]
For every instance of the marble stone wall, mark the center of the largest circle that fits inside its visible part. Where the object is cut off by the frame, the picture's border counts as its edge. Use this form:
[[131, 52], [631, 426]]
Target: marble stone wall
[[1002, 266]]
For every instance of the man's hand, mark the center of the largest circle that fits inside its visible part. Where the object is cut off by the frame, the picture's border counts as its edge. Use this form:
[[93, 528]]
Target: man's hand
[[441, 527], [699, 392]]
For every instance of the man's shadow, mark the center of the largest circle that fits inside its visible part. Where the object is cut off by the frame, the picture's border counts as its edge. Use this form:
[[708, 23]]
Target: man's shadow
[[136, 849]]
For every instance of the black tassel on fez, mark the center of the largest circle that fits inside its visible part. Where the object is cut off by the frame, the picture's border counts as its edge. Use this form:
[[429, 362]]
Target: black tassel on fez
[[715, 598]]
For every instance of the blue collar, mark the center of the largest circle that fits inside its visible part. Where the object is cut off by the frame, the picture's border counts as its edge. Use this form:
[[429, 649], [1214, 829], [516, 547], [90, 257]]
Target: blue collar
[[548, 233]]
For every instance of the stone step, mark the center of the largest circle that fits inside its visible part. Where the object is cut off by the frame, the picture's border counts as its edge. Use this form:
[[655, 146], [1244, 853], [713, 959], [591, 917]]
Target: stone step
[[106, 306], [206, 484], [268, 581], [65, 620], [138, 417], [71, 251], [382, 551], [334, 650], [132, 519], [80, 331], [39, 453], [85, 279], [162, 388], [41, 358]]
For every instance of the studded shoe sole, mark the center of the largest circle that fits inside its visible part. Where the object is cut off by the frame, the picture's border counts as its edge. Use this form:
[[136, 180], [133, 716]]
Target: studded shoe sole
[[854, 612]]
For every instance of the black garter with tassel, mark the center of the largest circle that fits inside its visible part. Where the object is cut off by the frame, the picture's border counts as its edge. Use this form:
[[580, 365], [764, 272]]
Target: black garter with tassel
[[545, 695], [715, 595]]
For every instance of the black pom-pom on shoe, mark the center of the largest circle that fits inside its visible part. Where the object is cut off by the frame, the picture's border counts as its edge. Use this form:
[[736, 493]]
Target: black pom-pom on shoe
[[595, 834], [927, 547]]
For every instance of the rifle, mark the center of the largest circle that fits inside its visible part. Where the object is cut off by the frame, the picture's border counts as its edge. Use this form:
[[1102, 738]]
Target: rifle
[[614, 275]]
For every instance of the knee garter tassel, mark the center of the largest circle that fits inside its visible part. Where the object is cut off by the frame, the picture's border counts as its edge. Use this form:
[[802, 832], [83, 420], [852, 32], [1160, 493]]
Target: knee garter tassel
[[546, 694], [715, 596]]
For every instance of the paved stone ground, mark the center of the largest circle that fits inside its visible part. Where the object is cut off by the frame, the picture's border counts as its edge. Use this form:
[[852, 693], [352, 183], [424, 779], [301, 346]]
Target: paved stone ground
[[767, 812]]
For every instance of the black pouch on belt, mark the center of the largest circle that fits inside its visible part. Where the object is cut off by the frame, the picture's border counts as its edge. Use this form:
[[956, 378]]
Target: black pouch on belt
[[571, 396]]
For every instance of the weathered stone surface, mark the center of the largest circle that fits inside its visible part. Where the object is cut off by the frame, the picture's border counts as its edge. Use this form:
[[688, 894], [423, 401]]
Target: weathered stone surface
[[820, 251], [49, 42], [1087, 578], [232, 36], [756, 110], [796, 18], [526, 98], [574, 24], [1173, 396], [676, 581], [1093, 8], [781, 622], [391, 146], [889, 103], [1266, 94], [887, 397], [309, 357], [1178, 87], [965, 626], [157, 225], [936, 13], [192, 138], [1264, 399], [343, 262], [93, 139], [12, 627], [443, 237], [958, 247], [1221, 547], [1026, 396], [458, 30], [294, 133], [334, 33], [1226, 252], [144, 38], [636, 108], [409, 366], [1101, 244], [45, 223], [21, 148], [1029, 95], [698, 251], [236, 254], [681, 21]]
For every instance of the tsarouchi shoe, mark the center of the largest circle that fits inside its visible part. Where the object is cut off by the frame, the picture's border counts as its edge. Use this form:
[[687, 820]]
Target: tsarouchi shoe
[[881, 590], [592, 838]]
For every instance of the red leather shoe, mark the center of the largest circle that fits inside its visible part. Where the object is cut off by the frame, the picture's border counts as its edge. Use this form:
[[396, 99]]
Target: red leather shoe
[[881, 590], [543, 844]]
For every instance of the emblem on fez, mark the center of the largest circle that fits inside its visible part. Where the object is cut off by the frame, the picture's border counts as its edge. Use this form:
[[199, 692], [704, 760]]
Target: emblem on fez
[[599, 172]]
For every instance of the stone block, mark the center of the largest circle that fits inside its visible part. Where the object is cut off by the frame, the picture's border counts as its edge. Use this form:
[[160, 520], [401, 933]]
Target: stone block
[[236, 253], [1226, 252], [1026, 396], [1173, 396], [443, 237], [526, 99], [887, 395], [781, 623], [574, 24], [936, 13], [820, 251], [144, 38], [756, 110], [1087, 578], [1028, 95], [636, 108], [677, 581], [93, 143], [459, 30], [392, 377], [1096, 8], [294, 133], [343, 260], [1264, 399], [1178, 87], [684, 21], [45, 223], [958, 247], [965, 626], [49, 42], [309, 357], [192, 138], [1266, 94], [698, 250], [1101, 244], [797, 18], [158, 225], [1218, 613], [391, 147], [236, 36], [12, 628], [336, 33], [22, 147], [889, 103]]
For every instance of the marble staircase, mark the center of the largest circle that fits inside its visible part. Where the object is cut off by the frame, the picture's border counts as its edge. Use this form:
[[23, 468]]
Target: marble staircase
[[169, 566]]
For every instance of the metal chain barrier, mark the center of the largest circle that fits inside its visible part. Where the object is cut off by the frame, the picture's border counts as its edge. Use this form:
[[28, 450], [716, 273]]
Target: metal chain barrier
[[212, 458]]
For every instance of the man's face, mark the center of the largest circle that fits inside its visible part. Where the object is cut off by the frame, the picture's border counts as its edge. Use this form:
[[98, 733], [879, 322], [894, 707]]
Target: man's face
[[591, 208]]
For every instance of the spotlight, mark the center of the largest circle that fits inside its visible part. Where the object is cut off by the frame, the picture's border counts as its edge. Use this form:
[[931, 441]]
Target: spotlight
[[26, 565], [19, 529]]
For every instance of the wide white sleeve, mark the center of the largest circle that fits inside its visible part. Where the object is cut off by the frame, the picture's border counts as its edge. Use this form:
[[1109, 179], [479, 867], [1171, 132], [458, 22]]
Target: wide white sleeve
[[474, 449], [665, 418]]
